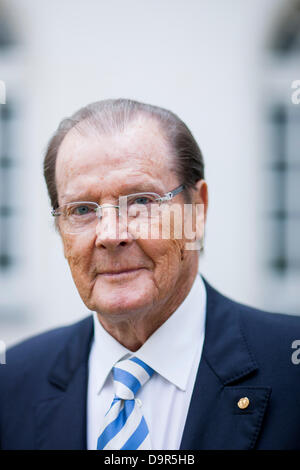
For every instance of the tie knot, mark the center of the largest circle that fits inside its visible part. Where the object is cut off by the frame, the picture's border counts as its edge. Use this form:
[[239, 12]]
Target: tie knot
[[129, 376]]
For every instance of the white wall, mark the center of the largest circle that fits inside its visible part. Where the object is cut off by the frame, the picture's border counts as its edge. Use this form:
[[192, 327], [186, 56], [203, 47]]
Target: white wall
[[201, 59]]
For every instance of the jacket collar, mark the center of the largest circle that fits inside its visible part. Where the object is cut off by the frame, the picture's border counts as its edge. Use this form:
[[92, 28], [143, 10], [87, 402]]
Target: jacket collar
[[225, 347], [60, 413], [74, 354]]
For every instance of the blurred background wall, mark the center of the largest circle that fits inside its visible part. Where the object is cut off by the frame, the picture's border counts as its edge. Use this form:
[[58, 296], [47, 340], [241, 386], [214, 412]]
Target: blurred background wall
[[225, 67]]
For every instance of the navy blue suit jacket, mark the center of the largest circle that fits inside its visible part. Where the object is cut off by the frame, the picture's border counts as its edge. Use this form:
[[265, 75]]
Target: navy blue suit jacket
[[246, 353]]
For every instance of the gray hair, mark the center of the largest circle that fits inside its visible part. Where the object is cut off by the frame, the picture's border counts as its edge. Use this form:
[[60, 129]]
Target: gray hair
[[111, 116]]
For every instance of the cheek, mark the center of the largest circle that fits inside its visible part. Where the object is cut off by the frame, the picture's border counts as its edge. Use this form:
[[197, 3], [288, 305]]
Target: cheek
[[167, 259], [77, 253]]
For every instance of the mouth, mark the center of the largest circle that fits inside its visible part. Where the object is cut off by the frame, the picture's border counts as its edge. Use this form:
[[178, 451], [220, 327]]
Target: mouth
[[120, 273]]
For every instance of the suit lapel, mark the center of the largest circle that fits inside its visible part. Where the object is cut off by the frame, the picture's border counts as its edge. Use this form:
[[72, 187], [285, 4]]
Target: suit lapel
[[60, 414], [214, 420]]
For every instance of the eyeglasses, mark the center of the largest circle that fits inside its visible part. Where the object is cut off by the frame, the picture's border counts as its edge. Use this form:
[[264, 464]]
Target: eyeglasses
[[81, 216]]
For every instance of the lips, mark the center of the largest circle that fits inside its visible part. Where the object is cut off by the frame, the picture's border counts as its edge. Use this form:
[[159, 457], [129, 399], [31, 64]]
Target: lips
[[120, 271]]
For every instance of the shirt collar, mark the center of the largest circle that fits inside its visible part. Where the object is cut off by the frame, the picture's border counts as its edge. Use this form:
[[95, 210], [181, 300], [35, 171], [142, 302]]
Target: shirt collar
[[170, 350]]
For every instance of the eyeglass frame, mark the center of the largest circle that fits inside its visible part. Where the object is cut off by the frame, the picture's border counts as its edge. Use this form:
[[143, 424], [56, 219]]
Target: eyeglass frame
[[165, 198]]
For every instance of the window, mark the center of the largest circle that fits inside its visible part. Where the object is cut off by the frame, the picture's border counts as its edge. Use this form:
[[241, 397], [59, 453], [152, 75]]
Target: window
[[6, 177], [284, 212]]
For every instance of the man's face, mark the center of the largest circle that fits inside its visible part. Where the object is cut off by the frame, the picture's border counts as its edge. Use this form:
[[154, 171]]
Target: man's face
[[100, 168]]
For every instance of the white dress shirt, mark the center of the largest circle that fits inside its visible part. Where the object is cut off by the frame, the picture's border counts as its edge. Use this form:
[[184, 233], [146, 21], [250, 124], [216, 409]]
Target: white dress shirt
[[173, 351]]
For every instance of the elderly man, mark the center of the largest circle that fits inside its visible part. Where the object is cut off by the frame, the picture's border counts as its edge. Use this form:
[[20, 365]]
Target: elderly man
[[165, 361]]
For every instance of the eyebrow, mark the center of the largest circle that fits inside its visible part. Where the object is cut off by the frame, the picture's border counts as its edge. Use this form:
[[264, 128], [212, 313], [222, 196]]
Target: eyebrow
[[142, 188], [128, 189]]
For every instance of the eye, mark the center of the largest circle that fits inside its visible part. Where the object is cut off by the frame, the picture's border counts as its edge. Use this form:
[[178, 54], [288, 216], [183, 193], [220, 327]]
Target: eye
[[143, 200], [81, 210]]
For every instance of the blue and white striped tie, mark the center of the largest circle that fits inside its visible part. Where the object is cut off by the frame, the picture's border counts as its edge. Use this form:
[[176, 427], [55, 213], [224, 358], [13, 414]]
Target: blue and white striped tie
[[124, 426]]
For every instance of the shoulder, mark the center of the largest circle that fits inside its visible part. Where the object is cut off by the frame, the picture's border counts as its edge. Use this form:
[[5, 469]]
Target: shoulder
[[268, 325], [272, 339], [36, 354], [44, 342], [275, 337], [257, 320]]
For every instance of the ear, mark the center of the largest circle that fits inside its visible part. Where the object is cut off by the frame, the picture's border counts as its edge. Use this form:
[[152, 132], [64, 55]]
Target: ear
[[200, 195], [199, 211]]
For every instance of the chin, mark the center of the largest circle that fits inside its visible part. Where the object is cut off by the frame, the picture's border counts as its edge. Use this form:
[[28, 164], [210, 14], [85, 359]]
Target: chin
[[130, 294], [123, 302]]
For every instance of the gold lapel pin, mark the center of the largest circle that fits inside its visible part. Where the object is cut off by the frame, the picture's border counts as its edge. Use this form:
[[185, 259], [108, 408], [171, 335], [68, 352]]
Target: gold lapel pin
[[243, 403]]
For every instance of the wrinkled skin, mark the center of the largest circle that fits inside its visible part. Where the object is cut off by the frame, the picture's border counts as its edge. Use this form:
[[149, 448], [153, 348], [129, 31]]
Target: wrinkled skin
[[100, 168]]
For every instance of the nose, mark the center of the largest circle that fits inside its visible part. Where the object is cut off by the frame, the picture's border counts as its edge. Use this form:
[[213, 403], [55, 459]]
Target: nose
[[111, 230]]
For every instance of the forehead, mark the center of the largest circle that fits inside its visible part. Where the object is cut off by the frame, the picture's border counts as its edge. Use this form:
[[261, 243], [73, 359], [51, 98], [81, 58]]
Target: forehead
[[140, 154]]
